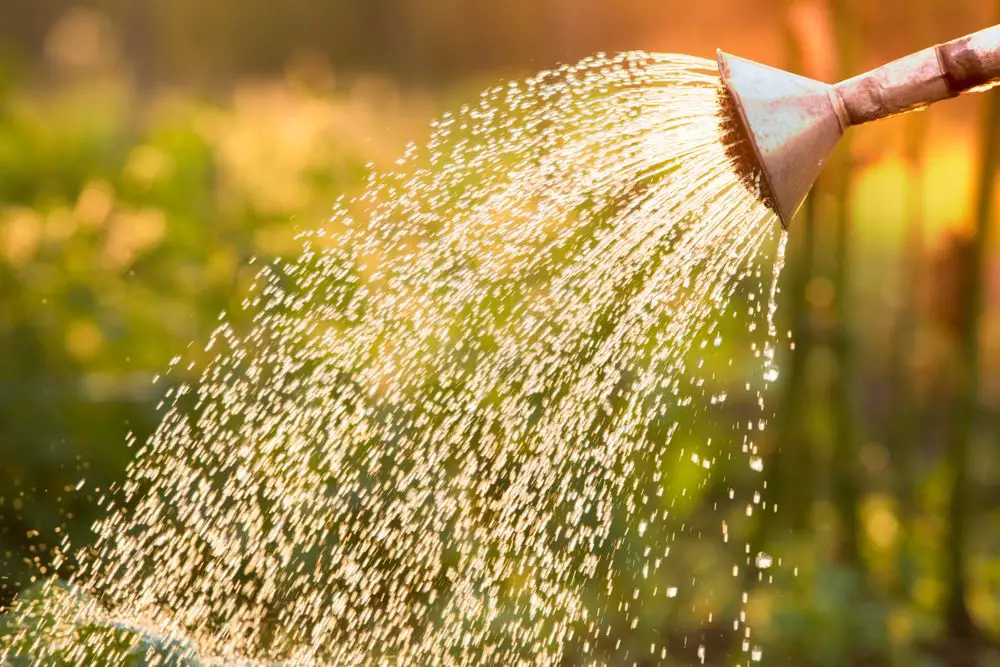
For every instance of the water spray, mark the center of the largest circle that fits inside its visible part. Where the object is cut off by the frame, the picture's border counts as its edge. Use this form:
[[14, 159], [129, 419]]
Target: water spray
[[785, 126]]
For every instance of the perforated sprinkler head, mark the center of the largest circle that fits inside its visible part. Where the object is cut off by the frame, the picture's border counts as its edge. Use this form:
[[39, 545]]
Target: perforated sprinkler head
[[781, 128]]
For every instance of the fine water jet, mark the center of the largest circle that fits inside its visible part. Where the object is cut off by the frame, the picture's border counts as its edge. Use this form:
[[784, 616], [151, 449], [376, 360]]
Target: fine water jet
[[471, 421], [785, 126]]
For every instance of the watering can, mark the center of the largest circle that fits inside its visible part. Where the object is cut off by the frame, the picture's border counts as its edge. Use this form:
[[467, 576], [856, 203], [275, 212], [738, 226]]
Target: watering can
[[788, 125]]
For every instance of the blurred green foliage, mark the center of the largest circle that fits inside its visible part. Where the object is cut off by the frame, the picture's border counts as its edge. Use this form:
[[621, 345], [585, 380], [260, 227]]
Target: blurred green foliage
[[126, 228], [127, 221]]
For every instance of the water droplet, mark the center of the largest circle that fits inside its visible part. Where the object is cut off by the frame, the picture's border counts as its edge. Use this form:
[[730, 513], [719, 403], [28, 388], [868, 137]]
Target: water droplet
[[454, 299]]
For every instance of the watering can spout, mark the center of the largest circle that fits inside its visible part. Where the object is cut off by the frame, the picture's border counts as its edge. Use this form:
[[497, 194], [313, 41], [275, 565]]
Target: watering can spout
[[785, 127], [780, 128]]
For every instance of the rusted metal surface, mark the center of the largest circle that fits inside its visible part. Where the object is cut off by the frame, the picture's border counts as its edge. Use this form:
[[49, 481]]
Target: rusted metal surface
[[923, 78], [904, 85], [781, 128], [785, 128], [972, 62]]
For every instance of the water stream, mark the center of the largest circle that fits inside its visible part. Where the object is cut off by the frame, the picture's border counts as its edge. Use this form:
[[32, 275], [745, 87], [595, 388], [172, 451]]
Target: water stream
[[445, 434]]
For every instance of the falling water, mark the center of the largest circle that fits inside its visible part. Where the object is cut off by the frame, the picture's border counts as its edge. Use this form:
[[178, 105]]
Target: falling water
[[424, 440]]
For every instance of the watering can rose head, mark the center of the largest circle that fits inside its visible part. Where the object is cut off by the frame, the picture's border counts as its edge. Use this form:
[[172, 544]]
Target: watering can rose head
[[780, 128]]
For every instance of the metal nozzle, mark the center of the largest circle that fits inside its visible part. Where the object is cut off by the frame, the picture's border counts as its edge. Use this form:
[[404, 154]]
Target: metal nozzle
[[782, 128]]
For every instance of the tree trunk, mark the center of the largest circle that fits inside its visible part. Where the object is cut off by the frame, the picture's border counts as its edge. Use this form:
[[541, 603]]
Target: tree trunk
[[845, 457], [905, 421], [970, 299]]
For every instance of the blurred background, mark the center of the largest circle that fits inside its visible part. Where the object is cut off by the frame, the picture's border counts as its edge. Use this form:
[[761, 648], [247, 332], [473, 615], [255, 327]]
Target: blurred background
[[149, 149]]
